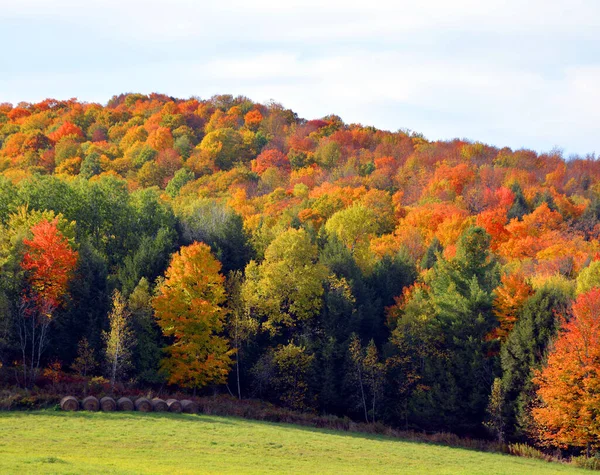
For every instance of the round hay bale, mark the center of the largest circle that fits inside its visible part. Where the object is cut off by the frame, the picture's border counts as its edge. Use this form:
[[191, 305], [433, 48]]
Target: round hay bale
[[189, 407], [125, 404], [108, 404], [158, 405], [174, 405], [69, 403], [143, 405], [90, 403]]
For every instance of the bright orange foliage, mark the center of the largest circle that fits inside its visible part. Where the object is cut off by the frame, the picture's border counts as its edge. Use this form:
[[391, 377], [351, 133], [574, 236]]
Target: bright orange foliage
[[49, 262], [161, 139], [569, 386], [510, 297], [253, 119], [66, 129], [494, 221]]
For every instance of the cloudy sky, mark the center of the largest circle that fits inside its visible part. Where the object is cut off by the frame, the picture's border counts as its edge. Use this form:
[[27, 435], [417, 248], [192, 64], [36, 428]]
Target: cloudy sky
[[508, 73]]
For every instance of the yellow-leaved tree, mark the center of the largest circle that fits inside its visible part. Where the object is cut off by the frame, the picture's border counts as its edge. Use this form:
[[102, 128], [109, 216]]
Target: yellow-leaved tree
[[188, 309]]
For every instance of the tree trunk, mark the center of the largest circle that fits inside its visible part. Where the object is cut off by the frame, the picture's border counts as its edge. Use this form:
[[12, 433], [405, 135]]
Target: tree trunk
[[362, 393]]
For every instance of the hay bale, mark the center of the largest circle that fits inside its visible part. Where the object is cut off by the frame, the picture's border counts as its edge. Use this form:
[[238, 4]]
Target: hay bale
[[108, 404], [125, 404], [158, 405], [189, 407], [143, 405], [69, 403], [90, 403], [174, 405]]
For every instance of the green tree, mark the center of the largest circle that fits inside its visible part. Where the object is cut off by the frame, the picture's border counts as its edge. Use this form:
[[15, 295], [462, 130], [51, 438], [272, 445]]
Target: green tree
[[519, 207], [292, 365], [290, 258], [147, 351], [496, 418], [149, 260], [445, 327], [588, 278], [86, 359], [181, 177], [328, 154], [91, 165], [218, 226], [432, 253], [525, 351]]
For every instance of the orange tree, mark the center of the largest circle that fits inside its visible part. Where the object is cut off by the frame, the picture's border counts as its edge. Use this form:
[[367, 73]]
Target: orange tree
[[569, 386], [188, 310]]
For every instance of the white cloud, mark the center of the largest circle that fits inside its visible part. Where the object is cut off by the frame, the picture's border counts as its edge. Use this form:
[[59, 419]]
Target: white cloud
[[505, 78]]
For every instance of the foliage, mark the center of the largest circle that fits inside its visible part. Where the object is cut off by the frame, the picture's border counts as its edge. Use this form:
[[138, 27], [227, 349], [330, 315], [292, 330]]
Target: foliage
[[188, 310], [568, 385], [119, 338], [324, 229], [291, 257], [525, 350]]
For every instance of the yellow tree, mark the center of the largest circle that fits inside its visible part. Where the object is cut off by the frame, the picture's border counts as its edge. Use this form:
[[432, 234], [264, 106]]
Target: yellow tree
[[119, 339], [188, 309], [355, 226]]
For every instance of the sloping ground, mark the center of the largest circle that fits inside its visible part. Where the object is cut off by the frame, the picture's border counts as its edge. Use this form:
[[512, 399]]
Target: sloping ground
[[132, 443]]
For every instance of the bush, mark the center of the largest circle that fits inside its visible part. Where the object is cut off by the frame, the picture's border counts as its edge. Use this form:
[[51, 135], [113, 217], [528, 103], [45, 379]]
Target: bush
[[526, 450], [590, 463]]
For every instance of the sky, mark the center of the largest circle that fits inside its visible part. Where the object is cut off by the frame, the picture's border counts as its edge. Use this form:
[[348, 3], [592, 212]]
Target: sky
[[522, 74]]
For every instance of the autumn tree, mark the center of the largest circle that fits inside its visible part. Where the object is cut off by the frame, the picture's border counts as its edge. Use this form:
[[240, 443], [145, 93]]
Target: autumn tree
[[119, 338], [48, 262], [188, 308], [510, 297], [569, 385], [224, 146], [86, 359]]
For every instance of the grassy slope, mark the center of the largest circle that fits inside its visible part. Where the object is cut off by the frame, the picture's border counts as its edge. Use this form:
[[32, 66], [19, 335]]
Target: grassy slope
[[55, 442]]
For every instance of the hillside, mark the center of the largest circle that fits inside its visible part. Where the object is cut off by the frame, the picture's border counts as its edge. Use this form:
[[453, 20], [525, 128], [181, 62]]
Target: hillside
[[226, 246], [48, 442]]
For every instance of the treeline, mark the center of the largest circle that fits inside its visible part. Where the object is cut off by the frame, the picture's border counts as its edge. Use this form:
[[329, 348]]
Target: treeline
[[319, 265]]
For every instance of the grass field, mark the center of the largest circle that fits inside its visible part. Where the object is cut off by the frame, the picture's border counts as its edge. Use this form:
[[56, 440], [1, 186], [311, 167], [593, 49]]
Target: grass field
[[131, 443]]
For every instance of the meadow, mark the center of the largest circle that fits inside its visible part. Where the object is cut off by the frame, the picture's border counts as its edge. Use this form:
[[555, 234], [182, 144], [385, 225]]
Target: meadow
[[50, 442]]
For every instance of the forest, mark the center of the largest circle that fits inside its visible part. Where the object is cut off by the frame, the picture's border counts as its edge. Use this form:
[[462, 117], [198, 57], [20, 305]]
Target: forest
[[221, 245]]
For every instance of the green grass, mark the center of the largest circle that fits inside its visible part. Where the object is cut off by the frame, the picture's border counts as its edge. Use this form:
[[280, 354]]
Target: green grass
[[60, 443]]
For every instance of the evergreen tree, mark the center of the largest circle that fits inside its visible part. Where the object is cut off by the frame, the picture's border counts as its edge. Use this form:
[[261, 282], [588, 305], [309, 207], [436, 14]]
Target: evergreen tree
[[449, 323], [525, 351], [519, 207]]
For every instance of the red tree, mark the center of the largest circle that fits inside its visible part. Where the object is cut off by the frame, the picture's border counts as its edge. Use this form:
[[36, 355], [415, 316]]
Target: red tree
[[270, 158], [48, 262]]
